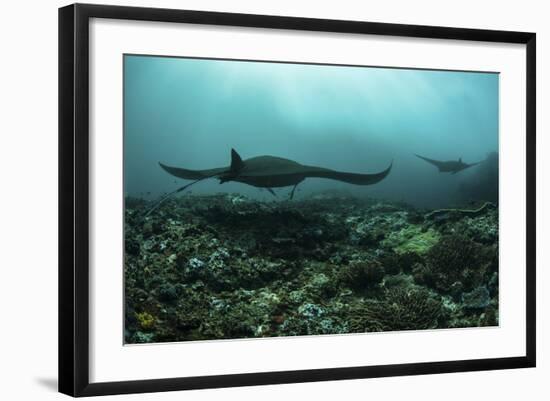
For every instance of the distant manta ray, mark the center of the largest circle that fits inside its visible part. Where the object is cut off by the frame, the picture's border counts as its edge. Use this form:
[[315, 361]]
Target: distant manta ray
[[450, 166], [269, 172]]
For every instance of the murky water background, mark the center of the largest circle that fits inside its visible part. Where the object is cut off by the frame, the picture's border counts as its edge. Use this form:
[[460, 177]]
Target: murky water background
[[190, 113]]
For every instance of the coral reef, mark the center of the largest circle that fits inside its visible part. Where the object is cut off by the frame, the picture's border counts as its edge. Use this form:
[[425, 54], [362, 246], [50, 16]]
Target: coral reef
[[225, 266]]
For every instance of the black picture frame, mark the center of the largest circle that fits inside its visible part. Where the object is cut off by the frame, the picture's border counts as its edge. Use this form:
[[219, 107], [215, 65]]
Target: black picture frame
[[74, 198]]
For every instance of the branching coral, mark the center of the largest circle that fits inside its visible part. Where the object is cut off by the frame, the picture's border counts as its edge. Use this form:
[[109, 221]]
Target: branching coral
[[454, 259], [400, 309], [360, 275]]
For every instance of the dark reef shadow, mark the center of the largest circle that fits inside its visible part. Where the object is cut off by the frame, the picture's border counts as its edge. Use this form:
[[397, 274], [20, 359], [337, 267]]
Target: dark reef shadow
[[48, 382]]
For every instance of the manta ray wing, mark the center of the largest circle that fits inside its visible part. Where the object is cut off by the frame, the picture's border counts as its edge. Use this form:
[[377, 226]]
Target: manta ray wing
[[466, 166], [437, 163], [350, 178], [474, 164], [193, 174]]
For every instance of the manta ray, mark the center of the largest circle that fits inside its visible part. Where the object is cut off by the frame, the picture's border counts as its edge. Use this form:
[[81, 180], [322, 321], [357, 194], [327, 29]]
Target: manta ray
[[269, 172], [450, 166]]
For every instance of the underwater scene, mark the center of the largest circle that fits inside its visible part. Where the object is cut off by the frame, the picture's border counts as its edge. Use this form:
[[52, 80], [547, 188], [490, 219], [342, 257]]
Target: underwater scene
[[269, 199]]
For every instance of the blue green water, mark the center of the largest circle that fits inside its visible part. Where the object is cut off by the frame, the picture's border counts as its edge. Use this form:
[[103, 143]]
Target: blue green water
[[191, 112]]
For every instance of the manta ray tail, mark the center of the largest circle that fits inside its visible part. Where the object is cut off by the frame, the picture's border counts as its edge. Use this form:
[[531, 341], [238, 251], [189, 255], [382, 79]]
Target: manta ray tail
[[202, 177], [159, 202], [198, 175]]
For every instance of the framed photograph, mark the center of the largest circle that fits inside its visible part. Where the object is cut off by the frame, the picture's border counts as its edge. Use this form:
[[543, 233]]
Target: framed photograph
[[251, 199]]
